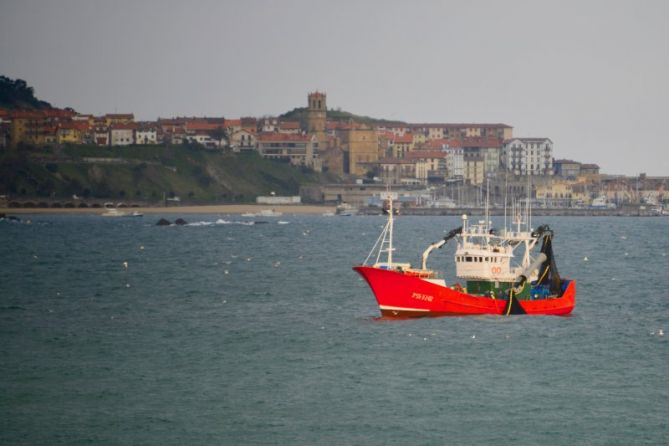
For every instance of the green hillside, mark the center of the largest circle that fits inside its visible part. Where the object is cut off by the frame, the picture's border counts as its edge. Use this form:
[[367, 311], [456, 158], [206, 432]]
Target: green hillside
[[300, 114], [147, 173], [17, 94]]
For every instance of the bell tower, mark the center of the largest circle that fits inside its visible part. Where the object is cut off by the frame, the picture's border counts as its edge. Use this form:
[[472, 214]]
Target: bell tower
[[316, 114]]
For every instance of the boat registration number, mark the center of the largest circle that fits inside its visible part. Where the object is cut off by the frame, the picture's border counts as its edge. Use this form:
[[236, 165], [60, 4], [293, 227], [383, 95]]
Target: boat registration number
[[421, 296]]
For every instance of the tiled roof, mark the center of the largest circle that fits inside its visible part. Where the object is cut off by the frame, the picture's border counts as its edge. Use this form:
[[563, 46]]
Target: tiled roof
[[232, 123], [128, 126], [407, 138], [74, 125], [289, 125], [202, 125], [436, 143]]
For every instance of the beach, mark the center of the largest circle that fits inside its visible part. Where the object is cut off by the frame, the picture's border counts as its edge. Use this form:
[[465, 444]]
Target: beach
[[210, 209]]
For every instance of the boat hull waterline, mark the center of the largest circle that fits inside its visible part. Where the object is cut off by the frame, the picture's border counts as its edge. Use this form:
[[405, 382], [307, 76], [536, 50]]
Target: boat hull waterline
[[401, 296]]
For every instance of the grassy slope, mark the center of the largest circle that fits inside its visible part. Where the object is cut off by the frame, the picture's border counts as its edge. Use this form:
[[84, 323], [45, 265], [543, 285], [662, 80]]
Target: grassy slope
[[145, 173]]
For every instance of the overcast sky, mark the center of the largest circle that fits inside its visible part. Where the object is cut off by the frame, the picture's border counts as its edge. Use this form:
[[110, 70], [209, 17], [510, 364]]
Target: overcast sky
[[590, 75]]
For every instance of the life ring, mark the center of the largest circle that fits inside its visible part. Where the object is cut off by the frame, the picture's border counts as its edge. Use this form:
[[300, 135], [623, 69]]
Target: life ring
[[496, 269]]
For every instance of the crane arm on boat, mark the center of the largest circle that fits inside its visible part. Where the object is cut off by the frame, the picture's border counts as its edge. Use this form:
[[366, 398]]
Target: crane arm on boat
[[439, 244], [525, 274]]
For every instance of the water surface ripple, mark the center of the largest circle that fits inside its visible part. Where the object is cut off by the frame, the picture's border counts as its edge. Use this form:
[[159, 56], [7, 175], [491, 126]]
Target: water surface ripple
[[224, 333]]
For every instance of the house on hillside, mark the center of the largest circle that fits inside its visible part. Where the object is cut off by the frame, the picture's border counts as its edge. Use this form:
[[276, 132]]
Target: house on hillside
[[533, 156], [430, 165], [567, 168], [146, 134], [71, 132], [289, 127], [122, 134], [243, 139], [397, 171], [299, 150]]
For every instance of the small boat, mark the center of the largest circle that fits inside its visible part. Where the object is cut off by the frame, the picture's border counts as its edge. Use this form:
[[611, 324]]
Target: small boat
[[493, 280], [345, 210], [114, 212], [263, 213]]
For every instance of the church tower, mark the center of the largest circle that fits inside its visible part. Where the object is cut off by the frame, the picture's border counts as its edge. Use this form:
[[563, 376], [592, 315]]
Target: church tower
[[316, 115]]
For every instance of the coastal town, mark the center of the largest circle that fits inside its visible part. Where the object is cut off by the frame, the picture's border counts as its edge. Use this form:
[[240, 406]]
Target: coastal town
[[431, 165]]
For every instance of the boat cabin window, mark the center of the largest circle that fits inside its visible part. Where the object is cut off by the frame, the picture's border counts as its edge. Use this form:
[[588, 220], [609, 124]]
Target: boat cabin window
[[468, 259]]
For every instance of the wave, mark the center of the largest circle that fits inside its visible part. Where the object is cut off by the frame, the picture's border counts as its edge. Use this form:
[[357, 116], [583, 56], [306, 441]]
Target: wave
[[220, 221]]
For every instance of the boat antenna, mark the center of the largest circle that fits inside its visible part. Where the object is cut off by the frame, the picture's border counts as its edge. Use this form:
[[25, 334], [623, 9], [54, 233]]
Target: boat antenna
[[506, 192], [527, 205], [487, 203]]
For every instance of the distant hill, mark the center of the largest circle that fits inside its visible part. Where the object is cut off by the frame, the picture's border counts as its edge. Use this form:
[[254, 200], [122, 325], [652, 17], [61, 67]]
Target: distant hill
[[300, 114], [17, 94]]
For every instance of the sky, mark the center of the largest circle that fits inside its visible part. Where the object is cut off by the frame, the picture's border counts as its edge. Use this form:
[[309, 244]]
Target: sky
[[590, 75]]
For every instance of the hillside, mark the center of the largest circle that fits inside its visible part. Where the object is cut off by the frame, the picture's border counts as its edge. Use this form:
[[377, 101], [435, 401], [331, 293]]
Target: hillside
[[300, 114], [147, 173], [17, 94]]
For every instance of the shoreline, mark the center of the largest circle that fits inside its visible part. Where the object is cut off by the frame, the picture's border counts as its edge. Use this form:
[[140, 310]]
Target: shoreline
[[238, 209], [204, 209]]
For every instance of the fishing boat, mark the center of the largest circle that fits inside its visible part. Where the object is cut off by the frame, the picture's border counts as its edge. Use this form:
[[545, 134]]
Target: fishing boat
[[497, 273]]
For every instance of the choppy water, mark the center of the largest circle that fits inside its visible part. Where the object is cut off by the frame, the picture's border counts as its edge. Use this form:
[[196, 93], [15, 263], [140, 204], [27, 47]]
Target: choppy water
[[224, 333]]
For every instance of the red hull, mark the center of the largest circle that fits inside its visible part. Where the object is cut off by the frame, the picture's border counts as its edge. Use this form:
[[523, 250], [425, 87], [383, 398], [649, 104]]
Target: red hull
[[399, 295]]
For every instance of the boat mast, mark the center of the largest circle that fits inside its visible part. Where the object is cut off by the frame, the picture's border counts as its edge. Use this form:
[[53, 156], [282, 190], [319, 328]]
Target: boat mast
[[390, 229]]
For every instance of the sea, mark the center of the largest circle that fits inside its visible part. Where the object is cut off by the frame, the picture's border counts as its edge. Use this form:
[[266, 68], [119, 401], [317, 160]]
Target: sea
[[243, 331]]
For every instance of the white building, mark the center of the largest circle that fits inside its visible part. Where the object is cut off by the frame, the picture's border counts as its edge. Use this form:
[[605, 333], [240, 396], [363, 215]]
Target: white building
[[455, 162], [204, 140], [146, 135], [122, 135], [528, 155], [243, 140]]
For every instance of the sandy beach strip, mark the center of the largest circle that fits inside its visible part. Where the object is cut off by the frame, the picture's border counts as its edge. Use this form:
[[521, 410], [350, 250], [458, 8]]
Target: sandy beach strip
[[211, 209]]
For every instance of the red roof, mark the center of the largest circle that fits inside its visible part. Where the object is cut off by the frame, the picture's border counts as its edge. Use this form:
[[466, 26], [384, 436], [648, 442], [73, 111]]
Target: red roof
[[74, 125], [27, 114], [232, 123], [201, 125], [407, 138], [289, 125], [436, 143]]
